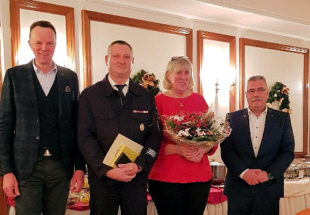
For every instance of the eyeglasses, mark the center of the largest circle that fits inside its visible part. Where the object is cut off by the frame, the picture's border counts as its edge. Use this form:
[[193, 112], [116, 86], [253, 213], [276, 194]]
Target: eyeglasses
[[179, 57], [259, 90]]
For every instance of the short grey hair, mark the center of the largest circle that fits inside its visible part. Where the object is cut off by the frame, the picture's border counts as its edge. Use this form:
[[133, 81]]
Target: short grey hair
[[257, 78]]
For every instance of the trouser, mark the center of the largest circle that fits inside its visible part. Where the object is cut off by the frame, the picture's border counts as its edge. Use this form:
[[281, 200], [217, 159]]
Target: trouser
[[179, 199], [105, 198], [45, 191], [262, 205]]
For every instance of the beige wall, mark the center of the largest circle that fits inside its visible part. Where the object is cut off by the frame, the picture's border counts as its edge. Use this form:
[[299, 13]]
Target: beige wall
[[142, 14], [282, 9]]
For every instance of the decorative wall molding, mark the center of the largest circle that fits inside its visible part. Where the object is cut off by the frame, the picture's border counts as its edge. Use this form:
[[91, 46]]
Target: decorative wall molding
[[68, 12], [232, 48], [243, 42], [88, 16]]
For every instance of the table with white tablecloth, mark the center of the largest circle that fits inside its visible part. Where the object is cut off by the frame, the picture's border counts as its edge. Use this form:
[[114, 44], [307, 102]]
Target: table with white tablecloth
[[296, 196]]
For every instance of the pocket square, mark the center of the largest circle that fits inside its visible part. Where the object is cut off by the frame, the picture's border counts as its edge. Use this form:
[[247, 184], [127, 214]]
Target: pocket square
[[67, 89]]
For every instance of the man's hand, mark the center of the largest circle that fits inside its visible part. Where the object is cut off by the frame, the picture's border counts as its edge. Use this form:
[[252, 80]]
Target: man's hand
[[251, 176], [262, 176], [77, 181], [124, 172], [10, 185]]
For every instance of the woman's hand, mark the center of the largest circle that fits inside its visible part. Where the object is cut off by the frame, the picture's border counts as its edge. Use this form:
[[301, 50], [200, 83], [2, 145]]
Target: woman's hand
[[187, 151], [198, 154], [190, 153], [205, 150]]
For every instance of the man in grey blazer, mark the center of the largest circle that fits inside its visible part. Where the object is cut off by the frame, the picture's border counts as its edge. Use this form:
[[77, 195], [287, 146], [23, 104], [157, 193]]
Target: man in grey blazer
[[257, 153], [38, 144]]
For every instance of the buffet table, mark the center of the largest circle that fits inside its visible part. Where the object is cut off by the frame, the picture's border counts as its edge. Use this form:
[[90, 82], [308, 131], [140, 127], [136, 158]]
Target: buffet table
[[296, 198], [217, 205]]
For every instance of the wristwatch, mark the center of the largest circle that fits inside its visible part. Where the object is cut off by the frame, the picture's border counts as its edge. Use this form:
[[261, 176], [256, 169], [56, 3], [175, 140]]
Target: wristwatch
[[270, 175]]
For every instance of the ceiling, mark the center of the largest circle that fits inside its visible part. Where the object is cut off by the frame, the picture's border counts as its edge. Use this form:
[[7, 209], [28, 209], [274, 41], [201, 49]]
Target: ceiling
[[282, 17]]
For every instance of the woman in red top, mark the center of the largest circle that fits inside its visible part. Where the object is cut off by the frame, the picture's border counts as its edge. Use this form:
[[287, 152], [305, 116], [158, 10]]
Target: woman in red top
[[180, 180]]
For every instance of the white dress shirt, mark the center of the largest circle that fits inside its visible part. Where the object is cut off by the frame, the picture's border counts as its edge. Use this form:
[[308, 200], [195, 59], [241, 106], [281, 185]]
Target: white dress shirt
[[125, 89], [257, 126], [46, 80]]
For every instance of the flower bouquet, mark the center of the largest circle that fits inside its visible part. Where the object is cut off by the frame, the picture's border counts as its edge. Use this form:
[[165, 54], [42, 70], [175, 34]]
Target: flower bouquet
[[147, 81], [196, 129]]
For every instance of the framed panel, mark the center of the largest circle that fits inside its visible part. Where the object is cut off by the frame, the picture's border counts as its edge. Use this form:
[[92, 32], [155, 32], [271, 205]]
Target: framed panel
[[267, 59], [117, 25], [231, 42], [17, 7]]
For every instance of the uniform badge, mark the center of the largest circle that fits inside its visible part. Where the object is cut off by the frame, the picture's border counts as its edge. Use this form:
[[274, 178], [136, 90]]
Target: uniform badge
[[141, 127], [67, 89]]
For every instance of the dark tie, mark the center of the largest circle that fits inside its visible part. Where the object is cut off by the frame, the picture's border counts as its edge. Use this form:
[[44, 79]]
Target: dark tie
[[120, 91]]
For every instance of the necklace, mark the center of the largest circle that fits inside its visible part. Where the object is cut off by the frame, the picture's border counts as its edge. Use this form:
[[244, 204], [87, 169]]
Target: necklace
[[180, 102]]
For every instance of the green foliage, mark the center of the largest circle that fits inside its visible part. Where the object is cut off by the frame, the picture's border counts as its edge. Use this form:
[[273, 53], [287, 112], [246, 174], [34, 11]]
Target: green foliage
[[279, 92], [151, 84]]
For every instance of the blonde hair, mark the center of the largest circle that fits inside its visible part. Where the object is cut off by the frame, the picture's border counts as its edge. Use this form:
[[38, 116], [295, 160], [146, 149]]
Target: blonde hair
[[173, 65]]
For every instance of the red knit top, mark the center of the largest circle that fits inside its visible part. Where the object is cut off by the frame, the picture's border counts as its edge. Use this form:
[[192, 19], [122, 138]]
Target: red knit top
[[175, 168]]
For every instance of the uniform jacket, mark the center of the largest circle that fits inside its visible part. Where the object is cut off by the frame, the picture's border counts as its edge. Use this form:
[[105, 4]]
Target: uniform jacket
[[99, 125], [275, 154], [19, 121]]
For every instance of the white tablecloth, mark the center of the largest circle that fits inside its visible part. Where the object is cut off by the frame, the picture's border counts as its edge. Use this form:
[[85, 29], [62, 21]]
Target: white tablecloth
[[296, 196]]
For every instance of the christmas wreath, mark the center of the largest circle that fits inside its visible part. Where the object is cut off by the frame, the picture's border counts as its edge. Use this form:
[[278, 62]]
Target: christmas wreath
[[148, 81], [279, 98]]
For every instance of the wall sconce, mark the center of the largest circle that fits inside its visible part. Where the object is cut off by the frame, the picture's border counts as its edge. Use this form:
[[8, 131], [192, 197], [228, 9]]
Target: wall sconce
[[216, 87]]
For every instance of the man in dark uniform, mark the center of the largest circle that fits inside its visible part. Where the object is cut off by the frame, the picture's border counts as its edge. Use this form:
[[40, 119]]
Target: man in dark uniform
[[118, 105], [38, 140]]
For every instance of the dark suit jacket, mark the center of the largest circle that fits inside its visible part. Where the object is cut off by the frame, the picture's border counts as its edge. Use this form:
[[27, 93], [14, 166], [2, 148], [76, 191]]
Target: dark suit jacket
[[99, 123], [19, 121], [275, 154]]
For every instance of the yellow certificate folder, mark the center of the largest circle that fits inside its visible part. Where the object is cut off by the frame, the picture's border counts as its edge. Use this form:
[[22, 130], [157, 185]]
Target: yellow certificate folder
[[122, 145]]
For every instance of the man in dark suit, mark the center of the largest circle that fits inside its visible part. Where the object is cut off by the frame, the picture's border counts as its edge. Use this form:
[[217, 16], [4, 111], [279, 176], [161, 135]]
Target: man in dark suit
[[257, 153], [38, 118], [118, 105]]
